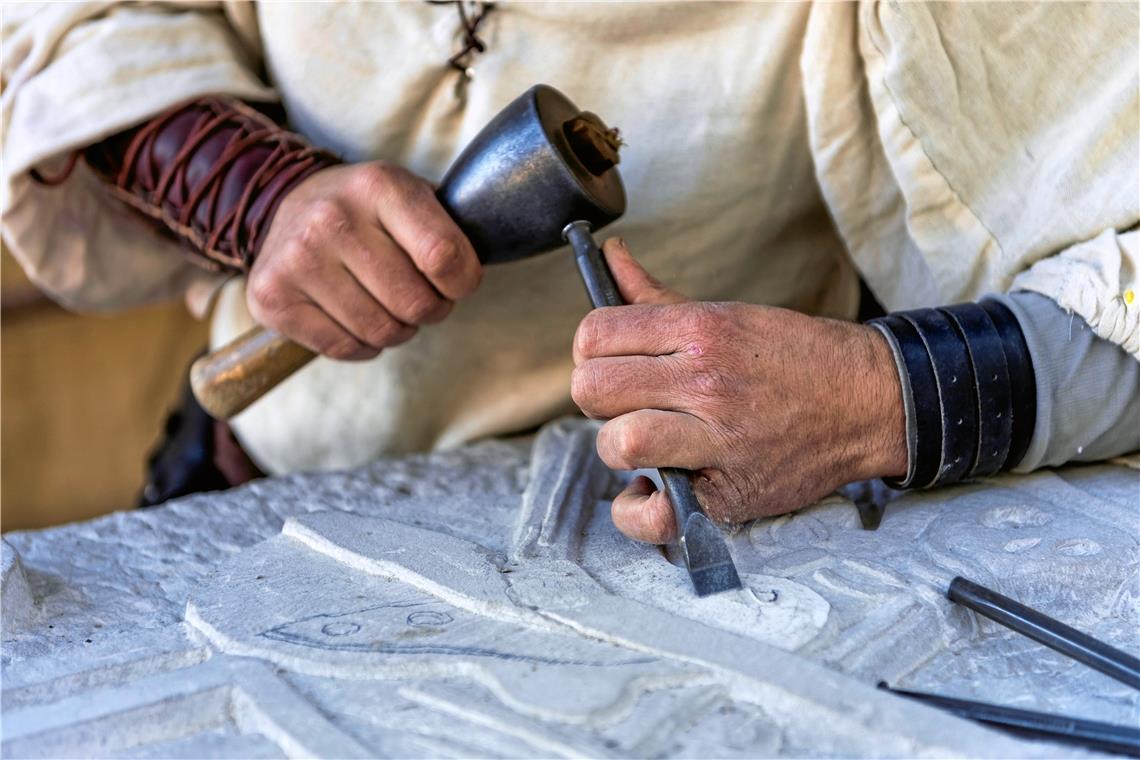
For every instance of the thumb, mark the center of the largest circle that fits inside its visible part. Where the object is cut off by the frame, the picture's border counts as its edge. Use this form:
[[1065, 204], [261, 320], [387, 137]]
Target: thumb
[[636, 285], [643, 513]]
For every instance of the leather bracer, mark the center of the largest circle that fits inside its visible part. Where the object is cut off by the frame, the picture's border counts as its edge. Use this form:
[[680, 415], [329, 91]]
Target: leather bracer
[[212, 172]]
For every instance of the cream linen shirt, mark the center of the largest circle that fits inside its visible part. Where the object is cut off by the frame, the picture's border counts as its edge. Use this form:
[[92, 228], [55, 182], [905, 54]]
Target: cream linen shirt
[[959, 150]]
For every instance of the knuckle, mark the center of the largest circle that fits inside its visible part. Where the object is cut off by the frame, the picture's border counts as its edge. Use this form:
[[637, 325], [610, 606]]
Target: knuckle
[[382, 333], [426, 308], [394, 183], [301, 255], [631, 442], [586, 337], [712, 382], [325, 218], [267, 296], [608, 446], [585, 385], [373, 175], [703, 321], [382, 179]]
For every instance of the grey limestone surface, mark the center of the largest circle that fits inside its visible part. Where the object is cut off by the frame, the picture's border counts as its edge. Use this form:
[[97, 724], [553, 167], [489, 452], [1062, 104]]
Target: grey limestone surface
[[479, 603]]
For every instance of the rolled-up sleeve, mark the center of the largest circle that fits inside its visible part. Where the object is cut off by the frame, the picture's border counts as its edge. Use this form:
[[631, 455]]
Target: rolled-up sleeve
[[74, 74]]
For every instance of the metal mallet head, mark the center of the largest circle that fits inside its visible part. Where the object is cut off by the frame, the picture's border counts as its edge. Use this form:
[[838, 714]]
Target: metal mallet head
[[537, 166]]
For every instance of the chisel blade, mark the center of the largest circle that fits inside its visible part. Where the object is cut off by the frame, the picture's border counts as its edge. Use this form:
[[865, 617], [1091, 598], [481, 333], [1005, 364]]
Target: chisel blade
[[706, 556]]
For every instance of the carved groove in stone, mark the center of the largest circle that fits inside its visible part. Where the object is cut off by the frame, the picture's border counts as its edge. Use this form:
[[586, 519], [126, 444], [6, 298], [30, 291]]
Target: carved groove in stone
[[179, 708], [566, 479]]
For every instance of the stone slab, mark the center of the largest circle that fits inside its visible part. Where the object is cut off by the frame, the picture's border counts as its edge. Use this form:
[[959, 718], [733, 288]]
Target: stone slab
[[479, 603]]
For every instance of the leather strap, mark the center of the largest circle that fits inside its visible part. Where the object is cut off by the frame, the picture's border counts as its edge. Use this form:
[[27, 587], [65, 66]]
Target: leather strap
[[1022, 379], [969, 384], [926, 448], [994, 393], [957, 392]]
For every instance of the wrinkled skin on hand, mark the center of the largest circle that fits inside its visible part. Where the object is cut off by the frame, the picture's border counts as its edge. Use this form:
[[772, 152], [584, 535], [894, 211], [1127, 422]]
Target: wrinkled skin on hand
[[356, 258], [770, 408]]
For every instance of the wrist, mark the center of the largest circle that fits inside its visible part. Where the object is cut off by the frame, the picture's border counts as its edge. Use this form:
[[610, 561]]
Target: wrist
[[881, 448]]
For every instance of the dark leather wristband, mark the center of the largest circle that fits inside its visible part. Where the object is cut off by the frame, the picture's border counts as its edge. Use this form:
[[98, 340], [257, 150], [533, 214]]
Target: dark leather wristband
[[926, 447], [970, 383], [212, 172], [994, 393], [1022, 379]]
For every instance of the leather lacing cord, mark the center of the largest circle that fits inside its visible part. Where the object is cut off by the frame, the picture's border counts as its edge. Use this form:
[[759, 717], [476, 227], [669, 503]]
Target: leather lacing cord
[[471, 42], [61, 177]]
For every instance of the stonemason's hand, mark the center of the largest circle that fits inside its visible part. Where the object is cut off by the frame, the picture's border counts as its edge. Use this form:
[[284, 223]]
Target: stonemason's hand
[[770, 408], [356, 258]]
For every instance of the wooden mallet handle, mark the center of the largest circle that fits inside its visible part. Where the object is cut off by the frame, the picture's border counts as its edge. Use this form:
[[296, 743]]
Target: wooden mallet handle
[[228, 380]]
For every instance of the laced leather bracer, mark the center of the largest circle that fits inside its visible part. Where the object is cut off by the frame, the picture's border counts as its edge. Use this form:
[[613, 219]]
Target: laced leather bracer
[[212, 172]]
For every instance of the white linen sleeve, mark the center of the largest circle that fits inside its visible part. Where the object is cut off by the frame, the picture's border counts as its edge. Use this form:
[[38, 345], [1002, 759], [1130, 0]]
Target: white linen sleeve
[[74, 74], [1098, 281]]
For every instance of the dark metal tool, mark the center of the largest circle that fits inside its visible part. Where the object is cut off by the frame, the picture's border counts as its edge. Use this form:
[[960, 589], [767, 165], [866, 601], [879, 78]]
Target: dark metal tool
[[706, 552], [540, 163], [1106, 737], [1044, 629]]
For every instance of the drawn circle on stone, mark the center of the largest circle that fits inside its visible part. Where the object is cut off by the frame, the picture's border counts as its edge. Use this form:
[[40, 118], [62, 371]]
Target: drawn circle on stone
[[340, 628], [428, 619]]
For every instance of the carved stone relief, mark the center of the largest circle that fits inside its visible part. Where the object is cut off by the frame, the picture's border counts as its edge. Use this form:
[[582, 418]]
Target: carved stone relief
[[480, 603]]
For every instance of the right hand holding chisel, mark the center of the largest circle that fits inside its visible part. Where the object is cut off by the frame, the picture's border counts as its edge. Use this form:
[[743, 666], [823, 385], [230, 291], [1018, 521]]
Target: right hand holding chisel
[[771, 409]]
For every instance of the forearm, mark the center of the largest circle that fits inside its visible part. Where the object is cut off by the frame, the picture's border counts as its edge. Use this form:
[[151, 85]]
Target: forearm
[[78, 75]]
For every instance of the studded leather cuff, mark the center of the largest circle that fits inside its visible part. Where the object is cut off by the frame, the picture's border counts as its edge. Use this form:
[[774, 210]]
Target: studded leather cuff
[[969, 389], [211, 172]]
